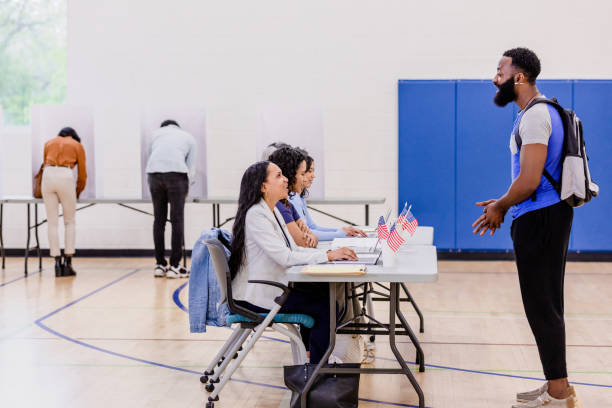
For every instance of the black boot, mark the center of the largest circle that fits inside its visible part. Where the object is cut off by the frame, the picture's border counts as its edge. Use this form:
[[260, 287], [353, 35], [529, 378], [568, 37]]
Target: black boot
[[68, 271], [59, 268]]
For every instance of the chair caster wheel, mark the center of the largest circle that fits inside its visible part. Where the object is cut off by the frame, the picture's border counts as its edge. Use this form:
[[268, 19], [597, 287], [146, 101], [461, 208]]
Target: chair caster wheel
[[211, 399], [204, 379], [210, 405], [209, 372], [372, 338], [210, 387], [213, 381]]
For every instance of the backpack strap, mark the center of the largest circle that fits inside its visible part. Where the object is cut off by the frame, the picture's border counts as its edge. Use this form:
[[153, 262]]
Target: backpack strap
[[519, 142]]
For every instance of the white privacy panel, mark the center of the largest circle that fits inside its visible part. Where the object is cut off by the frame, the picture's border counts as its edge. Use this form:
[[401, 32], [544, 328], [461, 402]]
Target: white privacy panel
[[48, 120], [191, 119], [299, 126]]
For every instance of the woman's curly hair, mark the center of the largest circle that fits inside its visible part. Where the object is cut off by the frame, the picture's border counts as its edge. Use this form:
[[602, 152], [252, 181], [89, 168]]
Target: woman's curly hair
[[289, 160]]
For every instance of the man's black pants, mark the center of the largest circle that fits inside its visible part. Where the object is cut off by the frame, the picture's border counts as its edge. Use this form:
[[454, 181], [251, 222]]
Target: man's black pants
[[541, 238], [168, 188]]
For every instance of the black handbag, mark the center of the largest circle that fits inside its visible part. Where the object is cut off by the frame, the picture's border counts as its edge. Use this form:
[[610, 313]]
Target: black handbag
[[328, 391]]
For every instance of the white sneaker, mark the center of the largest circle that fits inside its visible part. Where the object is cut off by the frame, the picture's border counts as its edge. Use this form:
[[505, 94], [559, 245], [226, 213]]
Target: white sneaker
[[159, 271], [177, 272], [545, 400], [531, 395]]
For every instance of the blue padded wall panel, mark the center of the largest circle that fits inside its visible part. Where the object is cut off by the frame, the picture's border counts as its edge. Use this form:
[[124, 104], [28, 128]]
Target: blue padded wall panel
[[426, 149], [592, 223], [560, 89], [483, 161], [444, 167]]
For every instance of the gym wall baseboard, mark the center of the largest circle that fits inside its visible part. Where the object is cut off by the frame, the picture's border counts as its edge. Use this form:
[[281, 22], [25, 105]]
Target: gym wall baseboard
[[443, 254]]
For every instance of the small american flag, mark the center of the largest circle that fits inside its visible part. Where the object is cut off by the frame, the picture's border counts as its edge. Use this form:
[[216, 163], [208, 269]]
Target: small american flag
[[383, 232], [395, 240], [408, 222]]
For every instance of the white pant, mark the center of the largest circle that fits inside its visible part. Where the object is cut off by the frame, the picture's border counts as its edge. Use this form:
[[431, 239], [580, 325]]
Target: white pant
[[58, 186]]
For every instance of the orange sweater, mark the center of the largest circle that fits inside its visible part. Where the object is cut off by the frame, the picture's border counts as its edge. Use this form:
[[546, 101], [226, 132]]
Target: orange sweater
[[65, 151]]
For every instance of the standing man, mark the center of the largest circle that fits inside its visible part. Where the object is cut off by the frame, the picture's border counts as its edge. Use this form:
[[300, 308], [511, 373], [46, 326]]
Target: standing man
[[541, 221], [170, 169]]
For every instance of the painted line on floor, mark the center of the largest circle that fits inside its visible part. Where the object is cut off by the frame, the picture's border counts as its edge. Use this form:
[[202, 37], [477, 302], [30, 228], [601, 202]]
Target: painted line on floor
[[39, 322], [177, 297], [20, 278], [224, 339], [514, 273]]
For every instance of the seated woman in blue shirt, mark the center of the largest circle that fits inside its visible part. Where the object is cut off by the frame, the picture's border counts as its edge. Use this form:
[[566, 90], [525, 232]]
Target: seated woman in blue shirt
[[293, 165], [298, 201], [263, 249]]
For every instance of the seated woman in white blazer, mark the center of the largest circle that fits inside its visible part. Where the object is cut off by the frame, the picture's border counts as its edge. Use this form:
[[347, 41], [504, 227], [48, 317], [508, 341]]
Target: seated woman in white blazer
[[262, 248]]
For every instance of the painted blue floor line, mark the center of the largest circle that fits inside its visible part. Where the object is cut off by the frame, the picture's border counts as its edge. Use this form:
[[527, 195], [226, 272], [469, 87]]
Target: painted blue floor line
[[176, 297], [177, 300], [18, 279], [40, 324]]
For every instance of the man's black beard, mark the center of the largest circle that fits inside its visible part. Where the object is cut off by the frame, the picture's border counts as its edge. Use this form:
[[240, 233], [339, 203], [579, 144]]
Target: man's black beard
[[505, 93]]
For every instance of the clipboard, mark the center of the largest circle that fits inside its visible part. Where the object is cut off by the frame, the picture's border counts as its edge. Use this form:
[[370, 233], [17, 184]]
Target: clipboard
[[334, 270]]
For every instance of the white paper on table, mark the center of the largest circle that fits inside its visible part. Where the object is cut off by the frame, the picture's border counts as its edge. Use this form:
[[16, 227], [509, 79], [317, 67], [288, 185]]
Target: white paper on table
[[359, 245]]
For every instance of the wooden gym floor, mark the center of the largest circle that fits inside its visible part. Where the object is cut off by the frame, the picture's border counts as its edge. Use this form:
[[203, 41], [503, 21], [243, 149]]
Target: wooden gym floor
[[115, 336]]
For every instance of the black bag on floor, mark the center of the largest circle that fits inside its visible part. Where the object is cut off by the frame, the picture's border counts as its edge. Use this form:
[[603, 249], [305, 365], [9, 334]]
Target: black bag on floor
[[328, 391]]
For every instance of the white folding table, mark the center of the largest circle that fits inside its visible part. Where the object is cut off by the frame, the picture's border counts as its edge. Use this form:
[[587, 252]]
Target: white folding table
[[413, 264]]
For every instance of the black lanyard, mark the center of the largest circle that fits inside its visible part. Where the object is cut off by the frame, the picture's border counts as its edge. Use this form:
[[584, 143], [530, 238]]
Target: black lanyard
[[282, 230]]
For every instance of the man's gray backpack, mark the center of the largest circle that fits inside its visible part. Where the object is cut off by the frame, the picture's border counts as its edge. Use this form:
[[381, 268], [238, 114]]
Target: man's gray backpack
[[575, 186]]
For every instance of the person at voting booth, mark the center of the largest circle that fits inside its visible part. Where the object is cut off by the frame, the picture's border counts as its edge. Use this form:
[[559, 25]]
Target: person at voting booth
[[171, 168], [61, 154], [262, 249]]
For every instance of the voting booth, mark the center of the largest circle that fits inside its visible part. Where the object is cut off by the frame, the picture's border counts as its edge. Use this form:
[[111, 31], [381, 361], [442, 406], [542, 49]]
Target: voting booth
[[48, 120], [191, 119], [298, 126]]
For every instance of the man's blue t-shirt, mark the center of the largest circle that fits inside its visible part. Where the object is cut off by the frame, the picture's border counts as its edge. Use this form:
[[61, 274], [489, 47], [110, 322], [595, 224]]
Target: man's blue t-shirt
[[289, 213], [540, 124]]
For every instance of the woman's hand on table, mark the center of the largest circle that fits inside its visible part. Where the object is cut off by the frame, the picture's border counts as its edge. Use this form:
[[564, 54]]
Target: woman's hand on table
[[354, 232], [341, 254]]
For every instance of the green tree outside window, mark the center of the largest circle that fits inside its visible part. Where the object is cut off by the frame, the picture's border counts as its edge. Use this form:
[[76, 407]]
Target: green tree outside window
[[32, 56]]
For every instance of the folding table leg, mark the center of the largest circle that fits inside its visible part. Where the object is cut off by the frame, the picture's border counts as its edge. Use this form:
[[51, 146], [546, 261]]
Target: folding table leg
[[416, 308], [36, 236], [394, 308], [27, 248], [1, 236], [420, 358]]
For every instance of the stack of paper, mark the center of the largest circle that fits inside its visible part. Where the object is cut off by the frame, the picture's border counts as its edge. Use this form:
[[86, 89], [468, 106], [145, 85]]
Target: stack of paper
[[360, 245], [339, 270]]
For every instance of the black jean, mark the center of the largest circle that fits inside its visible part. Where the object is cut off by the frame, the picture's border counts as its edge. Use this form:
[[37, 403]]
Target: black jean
[[541, 239], [168, 188], [311, 300]]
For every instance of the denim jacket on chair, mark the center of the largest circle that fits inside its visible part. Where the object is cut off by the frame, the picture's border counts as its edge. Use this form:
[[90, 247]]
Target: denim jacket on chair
[[205, 304]]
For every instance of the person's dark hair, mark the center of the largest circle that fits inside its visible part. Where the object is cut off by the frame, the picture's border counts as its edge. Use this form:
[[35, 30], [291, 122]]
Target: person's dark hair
[[288, 159], [279, 145], [250, 194], [169, 122], [309, 161], [271, 148], [526, 60], [69, 132]]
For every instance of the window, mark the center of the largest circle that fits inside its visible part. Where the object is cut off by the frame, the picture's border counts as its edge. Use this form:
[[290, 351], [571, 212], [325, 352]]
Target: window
[[32, 56]]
